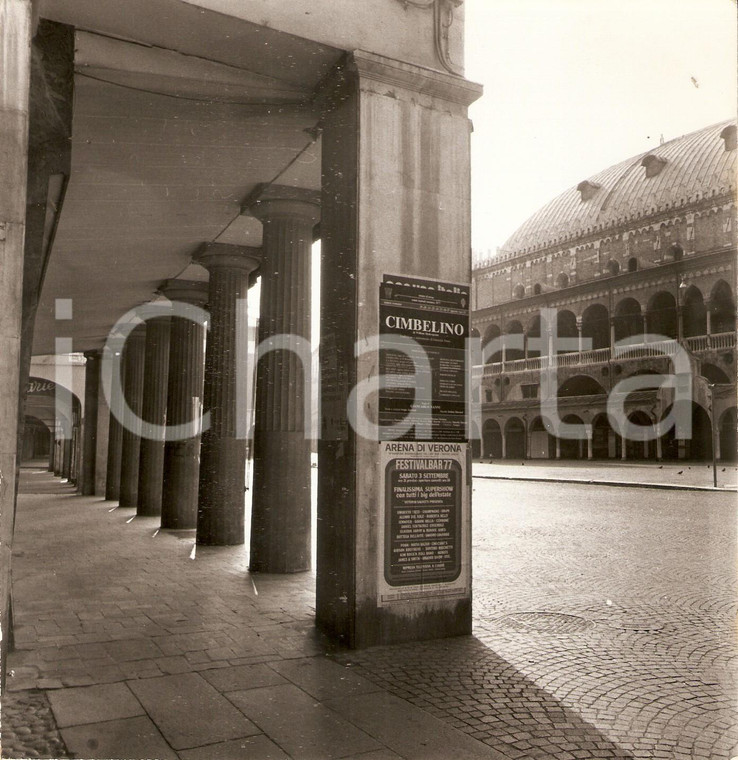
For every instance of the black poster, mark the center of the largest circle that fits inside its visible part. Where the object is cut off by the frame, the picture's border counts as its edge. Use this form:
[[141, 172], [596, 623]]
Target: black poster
[[435, 315]]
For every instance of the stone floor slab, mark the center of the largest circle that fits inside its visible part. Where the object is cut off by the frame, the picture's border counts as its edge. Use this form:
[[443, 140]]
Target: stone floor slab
[[304, 728], [240, 677], [407, 730], [324, 679], [252, 748], [93, 704], [129, 739], [189, 711]]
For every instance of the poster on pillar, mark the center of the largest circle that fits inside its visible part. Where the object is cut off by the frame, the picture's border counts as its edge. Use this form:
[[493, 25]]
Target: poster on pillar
[[424, 514], [423, 327]]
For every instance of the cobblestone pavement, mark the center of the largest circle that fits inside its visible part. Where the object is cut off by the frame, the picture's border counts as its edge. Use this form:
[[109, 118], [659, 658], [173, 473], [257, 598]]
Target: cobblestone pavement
[[604, 628], [604, 622], [28, 727]]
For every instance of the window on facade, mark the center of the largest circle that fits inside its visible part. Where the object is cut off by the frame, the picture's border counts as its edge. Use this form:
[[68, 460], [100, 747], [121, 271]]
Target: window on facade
[[519, 291], [633, 264], [488, 395], [562, 280], [529, 390], [613, 267], [537, 289], [677, 251]]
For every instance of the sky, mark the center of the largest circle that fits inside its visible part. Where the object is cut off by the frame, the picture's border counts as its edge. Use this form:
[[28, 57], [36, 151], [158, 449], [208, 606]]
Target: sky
[[575, 86]]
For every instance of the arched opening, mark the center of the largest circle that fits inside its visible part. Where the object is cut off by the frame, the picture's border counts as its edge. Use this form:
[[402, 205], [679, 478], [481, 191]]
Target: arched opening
[[638, 446], [514, 439], [562, 281], [694, 315], [613, 267], [491, 440], [596, 325], [514, 328], [36, 439], [602, 438], [519, 291], [573, 448], [722, 308], [492, 333], [628, 319], [537, 289], [727, 431], [661, 316], [632, 264], [714, 374], [542, 443], [677, 252], [566, 327], [700, 445], [533, 334], [580, 385]]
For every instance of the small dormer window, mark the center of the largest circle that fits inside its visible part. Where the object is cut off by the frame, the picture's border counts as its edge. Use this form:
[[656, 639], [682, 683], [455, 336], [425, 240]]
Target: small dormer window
[[729, 137], [588, 189], [653, 164]]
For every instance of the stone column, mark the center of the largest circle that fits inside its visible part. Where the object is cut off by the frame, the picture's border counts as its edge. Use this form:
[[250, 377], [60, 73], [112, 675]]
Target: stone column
[[558, 448], [89, 441], [281, 503], [612, 336], [220, 504], [153, 412], [579, 338], [133, 366], [115, 441], [184, 396], [103, 430], [623, 448]]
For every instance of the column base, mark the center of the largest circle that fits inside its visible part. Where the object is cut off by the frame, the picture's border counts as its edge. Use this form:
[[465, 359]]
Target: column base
[[281, 506]]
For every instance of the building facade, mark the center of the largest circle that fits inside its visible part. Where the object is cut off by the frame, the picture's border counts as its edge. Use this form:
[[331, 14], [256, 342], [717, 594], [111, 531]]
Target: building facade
[[630, 274]]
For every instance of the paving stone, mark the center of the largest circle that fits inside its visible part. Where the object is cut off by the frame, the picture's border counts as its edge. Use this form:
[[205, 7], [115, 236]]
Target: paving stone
[[242, 677], [128, 739], [189, 711], [251, 748], [303, 727], [323, 679]]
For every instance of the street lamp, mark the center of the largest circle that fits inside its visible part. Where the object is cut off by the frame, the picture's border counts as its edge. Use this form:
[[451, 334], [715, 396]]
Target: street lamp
[[711, 386]]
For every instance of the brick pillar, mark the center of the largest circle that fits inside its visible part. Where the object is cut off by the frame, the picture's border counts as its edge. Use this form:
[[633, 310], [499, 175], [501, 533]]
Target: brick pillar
[[280, 527], [153, 412], [220, 507], [133, 366], [89, 440], [184, 394]]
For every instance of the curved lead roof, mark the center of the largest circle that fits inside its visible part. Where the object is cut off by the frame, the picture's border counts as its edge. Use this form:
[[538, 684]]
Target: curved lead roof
[[687, 169]]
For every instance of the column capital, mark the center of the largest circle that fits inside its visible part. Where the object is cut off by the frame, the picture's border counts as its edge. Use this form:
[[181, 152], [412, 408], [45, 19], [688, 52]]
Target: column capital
[[224, 256], [271, 201], [193, 292]]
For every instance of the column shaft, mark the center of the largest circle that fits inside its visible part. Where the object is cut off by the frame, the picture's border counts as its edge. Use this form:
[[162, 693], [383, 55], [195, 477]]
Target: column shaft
[[280, 527], [220, 511], [133, 366], [89, 441], [153, 412], [184, 395]]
